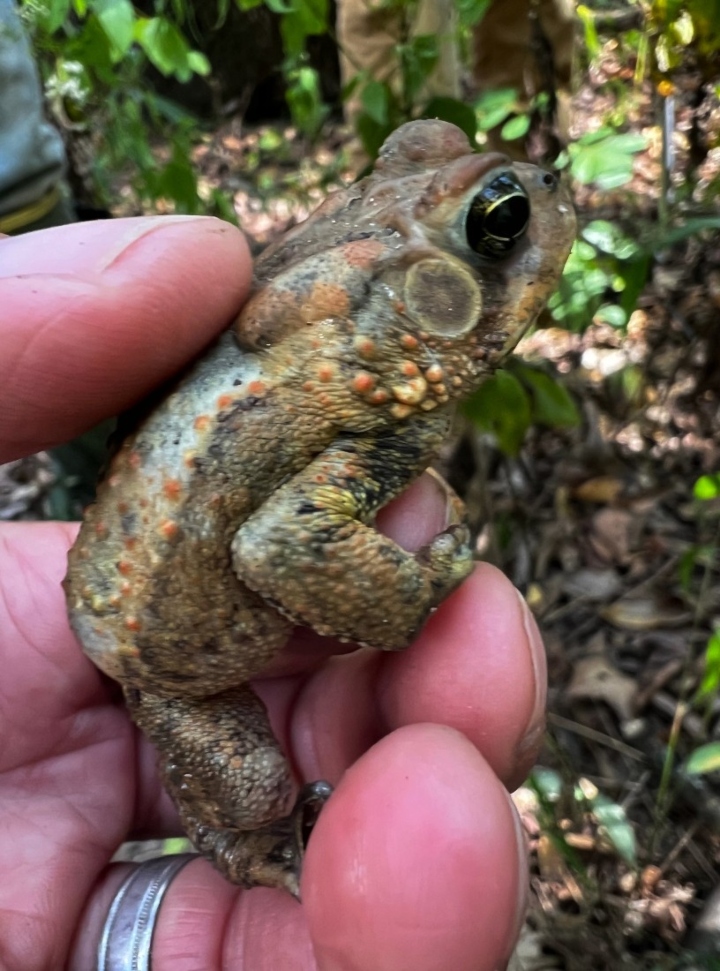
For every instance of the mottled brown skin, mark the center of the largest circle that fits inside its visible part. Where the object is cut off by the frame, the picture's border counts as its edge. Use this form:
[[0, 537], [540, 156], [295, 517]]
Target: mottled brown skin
[[244, 503]]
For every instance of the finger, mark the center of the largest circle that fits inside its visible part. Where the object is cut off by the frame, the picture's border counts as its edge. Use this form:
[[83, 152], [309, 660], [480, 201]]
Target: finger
[[208, 924], [478, 666], [205, 922], [95, 315], [416, 861]]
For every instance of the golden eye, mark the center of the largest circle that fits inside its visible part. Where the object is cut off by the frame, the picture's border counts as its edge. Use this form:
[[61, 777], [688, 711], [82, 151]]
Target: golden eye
[[498, 216]]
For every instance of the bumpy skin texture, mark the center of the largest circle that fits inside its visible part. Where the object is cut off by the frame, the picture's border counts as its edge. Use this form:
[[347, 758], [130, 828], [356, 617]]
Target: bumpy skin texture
[[244, 502]]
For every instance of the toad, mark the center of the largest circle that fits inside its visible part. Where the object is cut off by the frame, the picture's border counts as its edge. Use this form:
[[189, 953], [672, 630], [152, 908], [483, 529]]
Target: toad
[[243, 503]]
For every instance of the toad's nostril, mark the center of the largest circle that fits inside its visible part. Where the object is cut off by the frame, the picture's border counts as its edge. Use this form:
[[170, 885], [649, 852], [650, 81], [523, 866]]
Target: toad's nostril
[[550, 180]]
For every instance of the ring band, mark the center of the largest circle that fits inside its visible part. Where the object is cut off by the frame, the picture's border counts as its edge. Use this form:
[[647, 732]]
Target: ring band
[[130, 924], [30, 213]]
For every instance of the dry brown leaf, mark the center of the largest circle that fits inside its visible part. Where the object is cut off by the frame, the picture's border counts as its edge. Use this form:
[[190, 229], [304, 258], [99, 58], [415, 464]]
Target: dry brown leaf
[[592, 585], [603, 489], [612, 533], [644, 613], [554, 869], [581, 841], [595, 677]]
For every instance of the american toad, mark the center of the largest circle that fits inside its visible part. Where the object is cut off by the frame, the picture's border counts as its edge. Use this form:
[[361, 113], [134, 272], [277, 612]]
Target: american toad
[[243, 504]]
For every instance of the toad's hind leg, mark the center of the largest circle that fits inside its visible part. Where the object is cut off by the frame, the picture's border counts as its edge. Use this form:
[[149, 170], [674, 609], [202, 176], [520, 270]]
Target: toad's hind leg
[[231, 783]]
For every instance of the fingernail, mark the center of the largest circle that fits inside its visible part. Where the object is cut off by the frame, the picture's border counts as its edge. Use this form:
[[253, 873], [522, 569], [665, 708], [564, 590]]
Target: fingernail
[[137, 230], [88, 249], [523, 889], [536, 723], [454, 510]]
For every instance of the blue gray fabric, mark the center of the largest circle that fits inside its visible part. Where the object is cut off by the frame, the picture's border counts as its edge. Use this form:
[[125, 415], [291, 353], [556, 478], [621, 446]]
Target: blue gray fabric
[[32, 155]]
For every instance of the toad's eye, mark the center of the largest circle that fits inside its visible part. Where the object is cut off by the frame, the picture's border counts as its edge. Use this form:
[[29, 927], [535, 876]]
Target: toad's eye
[[499, 215]]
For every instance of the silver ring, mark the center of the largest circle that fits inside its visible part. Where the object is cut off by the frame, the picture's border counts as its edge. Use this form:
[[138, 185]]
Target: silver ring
[[130, 924]]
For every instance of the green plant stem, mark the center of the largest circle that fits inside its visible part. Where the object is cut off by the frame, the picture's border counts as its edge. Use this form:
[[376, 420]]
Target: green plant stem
[[663, 797]]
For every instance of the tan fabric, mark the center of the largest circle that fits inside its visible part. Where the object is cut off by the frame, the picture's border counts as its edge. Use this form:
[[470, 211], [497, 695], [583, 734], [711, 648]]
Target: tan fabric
[[504, 55], [503, 48], [368, 33]]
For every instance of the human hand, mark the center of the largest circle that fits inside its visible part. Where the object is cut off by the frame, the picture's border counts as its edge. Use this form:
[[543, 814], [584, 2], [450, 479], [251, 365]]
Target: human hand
[[417, 860]]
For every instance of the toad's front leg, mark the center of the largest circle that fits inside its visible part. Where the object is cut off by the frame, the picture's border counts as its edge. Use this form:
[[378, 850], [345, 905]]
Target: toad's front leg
[[311, 552]]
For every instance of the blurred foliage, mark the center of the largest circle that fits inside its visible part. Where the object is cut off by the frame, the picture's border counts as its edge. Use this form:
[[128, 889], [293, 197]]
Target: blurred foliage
[[387, 103], [677, 27], [603, 277], [95, 55], [578, 800], [299, 20], [604, 157], [521, 395]]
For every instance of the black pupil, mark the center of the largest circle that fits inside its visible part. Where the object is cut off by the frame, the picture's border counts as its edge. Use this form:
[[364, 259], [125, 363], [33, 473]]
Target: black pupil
[[498, 216], [509, 218]]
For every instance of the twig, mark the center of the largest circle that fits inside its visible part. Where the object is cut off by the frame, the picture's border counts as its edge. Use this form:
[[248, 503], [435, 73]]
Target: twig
[[593, 735]]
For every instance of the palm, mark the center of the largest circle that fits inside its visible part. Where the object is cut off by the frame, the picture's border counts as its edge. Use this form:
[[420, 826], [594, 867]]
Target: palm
[[64, 739]]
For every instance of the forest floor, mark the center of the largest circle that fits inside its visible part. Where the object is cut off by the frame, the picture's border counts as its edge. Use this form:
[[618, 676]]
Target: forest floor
[[599, 526]]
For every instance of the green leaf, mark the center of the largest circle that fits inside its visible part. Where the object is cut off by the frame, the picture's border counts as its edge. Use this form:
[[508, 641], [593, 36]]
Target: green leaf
[[175, 181], [454, 111], [707, 486], [93, 49], [711, 676], [117, 19], [471, 12], [349, 89], [493, 107], [57, 13], [198, 63], [552, 404], [371, 134], [223, 9], [516, 127], [502, 406], [220, 205], [305, 18], [179, 183], [279, 6], [164, 45], [607, 161], [375, 99], [417, 60], [613, 314], [704, 759], [610, 238], [547, 782], [635, 274], [593, 137], [592, 42], [304, 99], [611, 816]]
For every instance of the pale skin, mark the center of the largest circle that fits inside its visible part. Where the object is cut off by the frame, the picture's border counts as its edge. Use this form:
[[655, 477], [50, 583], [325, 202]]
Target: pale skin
[[417, 861]]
